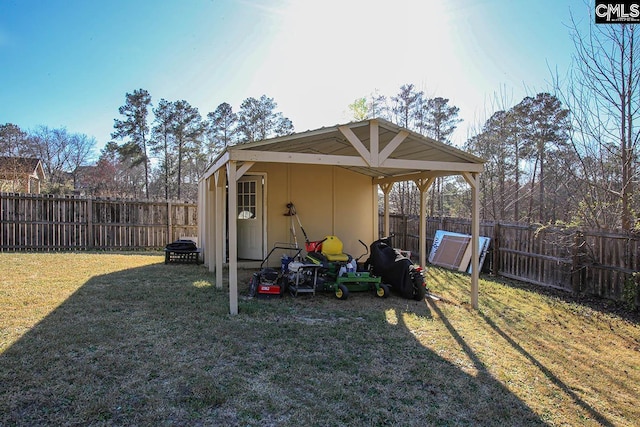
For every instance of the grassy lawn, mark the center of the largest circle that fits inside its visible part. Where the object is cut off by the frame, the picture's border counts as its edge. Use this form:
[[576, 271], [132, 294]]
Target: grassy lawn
[[122, 339]]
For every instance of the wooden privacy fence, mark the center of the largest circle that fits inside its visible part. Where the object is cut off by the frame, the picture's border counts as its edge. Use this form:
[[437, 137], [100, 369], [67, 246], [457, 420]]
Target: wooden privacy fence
[[583, 261], [594, 262], [41, 222]]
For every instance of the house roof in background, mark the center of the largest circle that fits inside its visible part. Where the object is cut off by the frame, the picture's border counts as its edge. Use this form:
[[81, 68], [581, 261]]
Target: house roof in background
[[21, 165]]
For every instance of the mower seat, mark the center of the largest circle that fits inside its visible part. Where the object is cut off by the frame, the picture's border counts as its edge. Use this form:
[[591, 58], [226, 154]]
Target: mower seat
[[332, 250]]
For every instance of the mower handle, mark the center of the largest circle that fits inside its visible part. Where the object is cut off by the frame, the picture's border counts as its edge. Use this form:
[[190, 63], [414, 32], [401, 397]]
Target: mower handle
[[366, 249]]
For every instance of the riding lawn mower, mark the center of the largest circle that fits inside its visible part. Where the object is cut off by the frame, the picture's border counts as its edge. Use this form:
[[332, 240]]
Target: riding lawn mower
[[326, 268]]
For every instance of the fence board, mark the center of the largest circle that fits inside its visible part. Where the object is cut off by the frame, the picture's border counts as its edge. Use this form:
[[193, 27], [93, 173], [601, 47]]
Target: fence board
[[41, 222], [594, 262]]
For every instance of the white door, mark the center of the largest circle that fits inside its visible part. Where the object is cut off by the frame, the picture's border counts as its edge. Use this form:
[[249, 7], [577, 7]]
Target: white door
[[250, 218]]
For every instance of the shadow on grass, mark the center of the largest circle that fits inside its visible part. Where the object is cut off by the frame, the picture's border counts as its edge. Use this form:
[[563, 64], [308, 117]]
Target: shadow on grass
[[601, 419], [155, 346], [470, 395], [600, 304]]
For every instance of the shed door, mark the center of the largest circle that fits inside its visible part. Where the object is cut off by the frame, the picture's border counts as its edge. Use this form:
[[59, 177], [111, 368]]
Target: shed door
[[250, 218]]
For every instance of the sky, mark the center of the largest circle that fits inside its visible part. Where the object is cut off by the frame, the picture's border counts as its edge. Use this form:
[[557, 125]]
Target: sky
[[70, 63]]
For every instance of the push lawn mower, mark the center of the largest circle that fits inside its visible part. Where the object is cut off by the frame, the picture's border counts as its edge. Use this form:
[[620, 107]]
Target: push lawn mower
[[327, 268], [269, 282]]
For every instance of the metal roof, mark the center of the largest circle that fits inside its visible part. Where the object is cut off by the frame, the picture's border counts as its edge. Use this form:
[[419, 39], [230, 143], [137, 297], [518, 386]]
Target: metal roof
[[375, 147]]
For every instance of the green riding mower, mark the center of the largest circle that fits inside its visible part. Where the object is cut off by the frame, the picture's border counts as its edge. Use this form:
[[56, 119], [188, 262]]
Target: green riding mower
[[326, 268]]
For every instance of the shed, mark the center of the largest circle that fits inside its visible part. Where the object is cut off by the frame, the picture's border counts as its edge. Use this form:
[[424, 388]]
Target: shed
[[332, 175], [21, 174]]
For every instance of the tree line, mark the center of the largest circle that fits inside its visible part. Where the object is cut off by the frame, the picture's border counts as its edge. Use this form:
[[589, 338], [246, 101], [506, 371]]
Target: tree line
[[572, 157], [172, 150], [526, 148], [568, 156], [156, 152]]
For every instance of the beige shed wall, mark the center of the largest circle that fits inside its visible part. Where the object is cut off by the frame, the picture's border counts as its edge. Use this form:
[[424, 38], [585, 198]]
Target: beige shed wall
[[346, 211]]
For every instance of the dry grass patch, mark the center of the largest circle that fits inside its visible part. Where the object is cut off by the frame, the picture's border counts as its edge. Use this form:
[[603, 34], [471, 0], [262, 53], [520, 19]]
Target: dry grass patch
[[123, 339]]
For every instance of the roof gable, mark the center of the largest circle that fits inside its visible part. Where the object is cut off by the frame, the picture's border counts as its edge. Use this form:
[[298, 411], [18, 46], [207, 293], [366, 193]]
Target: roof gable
[[21, 166], [373, 147], [329, 135]]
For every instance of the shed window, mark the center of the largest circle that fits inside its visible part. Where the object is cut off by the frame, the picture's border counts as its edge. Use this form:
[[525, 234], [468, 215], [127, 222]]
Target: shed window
[[247, 200]]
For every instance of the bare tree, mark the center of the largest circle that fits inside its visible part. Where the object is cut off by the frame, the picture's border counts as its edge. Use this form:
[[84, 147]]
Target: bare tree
[[14, 142], [101, 180], [373, 106], [81, 147], [544, 125], [161, 142], [187, 129], [407, 106], [377, 105], [492, 144], [603, 93], [439, 120], [124, 179], [61, 153]]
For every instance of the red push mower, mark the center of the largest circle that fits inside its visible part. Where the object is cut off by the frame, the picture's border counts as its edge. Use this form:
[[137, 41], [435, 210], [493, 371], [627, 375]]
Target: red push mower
[[272, 282]]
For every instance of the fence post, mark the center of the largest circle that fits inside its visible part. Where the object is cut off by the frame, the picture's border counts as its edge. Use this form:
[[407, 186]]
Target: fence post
[[577, 262], [495, 258], [169, 225], [405, 230], [90, 238]]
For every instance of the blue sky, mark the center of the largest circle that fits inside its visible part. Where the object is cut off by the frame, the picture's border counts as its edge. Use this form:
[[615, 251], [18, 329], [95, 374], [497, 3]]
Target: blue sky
[[69, 63]]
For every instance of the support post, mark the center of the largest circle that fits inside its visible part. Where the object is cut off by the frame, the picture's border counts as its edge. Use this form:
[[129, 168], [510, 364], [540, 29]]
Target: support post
[[473, 180], [220, 209], [233, 237], [475, 238], [423, 186], [422, 229], [209, 220], [386, 189]]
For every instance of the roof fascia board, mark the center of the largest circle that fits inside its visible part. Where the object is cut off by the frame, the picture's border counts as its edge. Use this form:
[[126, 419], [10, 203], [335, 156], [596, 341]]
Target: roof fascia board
[[413, 176], [327, 159], [429, 165], [220, 162]]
